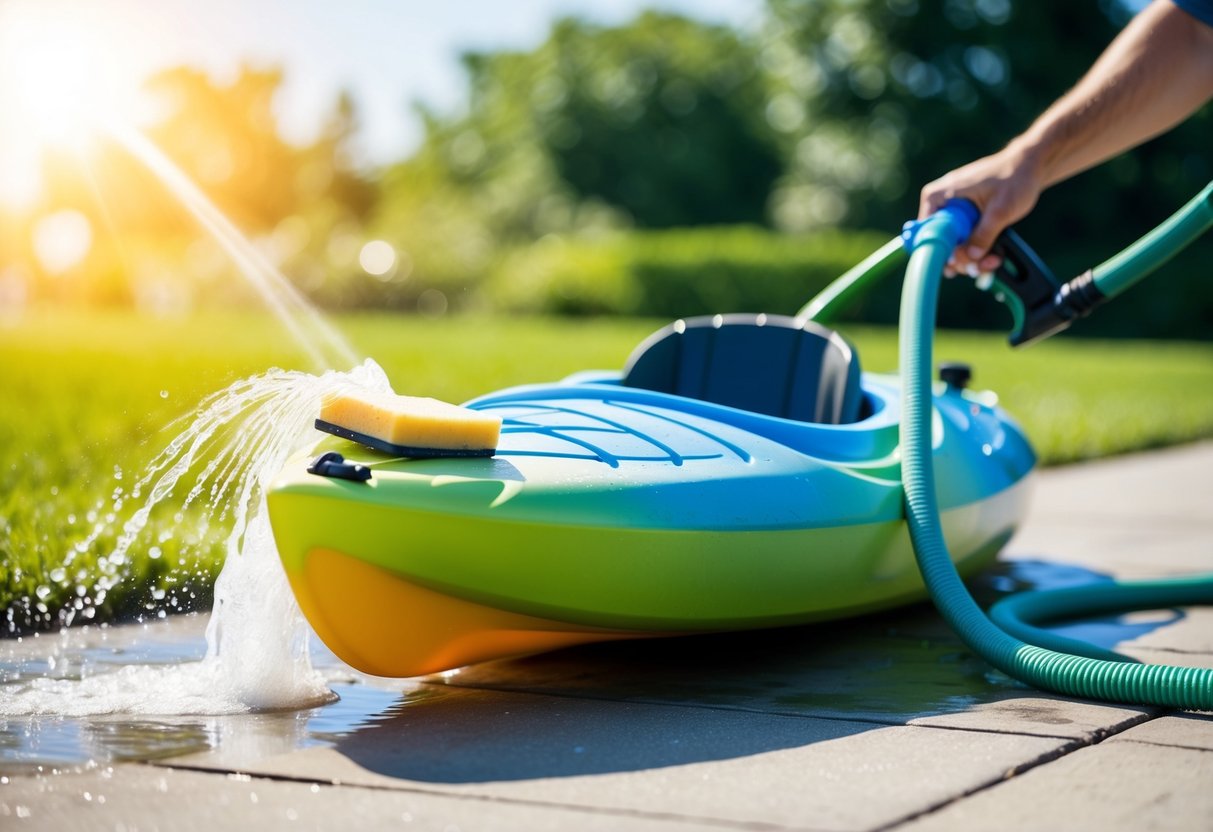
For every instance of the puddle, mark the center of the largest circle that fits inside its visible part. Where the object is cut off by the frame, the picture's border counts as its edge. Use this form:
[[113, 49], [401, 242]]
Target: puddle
[[56, 741], [1108, 631], [856, 668]]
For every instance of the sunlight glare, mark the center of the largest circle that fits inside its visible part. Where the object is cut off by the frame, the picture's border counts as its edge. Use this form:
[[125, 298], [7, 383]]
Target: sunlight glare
[[57, 86], [378, 258], [62, 240]]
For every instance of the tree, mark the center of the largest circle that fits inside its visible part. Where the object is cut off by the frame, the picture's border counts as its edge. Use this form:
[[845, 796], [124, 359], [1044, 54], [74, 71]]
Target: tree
[[654, 123], [874, 98]]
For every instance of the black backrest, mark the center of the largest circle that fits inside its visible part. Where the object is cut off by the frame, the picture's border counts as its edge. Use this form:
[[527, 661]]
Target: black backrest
[[769, 364]]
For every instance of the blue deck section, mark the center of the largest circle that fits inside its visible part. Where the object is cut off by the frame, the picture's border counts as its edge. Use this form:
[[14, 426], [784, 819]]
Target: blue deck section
[[606, 430], [590, 430], [590, 452], [591, 416]]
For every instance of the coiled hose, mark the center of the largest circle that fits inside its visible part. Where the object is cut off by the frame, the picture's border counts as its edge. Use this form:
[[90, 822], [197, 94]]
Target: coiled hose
[[1109, 677]]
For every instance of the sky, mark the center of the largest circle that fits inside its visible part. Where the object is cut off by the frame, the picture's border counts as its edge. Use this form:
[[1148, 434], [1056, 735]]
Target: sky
[[387, 54]]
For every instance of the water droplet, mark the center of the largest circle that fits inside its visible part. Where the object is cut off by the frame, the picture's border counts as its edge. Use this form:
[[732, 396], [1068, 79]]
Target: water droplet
[[154, 553], [43, 592], [164, 394], [58, 575]]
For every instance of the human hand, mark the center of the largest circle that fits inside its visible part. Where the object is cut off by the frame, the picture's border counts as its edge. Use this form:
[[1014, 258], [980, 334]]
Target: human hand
[[1004, 187]]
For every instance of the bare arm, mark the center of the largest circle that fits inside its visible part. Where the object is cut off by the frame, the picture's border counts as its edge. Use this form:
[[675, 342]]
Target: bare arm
[[1156, 73]]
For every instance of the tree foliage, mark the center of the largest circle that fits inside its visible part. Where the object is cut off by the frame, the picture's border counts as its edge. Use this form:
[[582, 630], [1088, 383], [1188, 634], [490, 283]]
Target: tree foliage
[[878, 97], [655, 123], [832, 113], [827, 114]]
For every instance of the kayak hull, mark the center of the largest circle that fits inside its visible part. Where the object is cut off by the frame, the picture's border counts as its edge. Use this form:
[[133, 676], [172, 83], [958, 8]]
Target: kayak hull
[[724, 520]]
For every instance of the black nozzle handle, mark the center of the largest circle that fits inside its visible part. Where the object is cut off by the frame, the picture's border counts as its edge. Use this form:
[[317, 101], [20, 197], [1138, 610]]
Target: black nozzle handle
[[1041, 304]]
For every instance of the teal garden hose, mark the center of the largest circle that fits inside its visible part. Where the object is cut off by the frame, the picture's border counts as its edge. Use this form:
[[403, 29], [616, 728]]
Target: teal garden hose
[[1051, 663]]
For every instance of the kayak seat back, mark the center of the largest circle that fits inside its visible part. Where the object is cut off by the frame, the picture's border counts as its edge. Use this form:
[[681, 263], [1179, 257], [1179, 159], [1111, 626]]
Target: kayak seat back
[[769, 364]]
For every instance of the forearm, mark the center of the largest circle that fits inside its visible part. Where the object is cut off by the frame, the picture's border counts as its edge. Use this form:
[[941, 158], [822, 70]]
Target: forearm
[[1154, 74], [1157, 72]]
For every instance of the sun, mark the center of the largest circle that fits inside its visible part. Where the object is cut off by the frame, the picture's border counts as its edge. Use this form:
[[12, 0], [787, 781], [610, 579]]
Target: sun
[[58, 87]]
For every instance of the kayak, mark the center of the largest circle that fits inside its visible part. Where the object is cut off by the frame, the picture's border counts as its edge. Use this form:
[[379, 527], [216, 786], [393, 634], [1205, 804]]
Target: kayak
[[741, 472]]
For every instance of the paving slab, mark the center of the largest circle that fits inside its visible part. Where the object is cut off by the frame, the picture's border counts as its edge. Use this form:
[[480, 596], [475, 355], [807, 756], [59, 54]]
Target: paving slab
[[1193, 731], [1114, 785], [1118, 548], [822, 671], [1142, 515], [1168, 486], [149, 798], [695, 763]]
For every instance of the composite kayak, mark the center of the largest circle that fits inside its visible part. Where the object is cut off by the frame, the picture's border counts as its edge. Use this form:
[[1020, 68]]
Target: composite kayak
[[742, 472]]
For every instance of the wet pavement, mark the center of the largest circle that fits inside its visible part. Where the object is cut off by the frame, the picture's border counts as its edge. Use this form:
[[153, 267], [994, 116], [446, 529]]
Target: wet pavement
[[885, 722]]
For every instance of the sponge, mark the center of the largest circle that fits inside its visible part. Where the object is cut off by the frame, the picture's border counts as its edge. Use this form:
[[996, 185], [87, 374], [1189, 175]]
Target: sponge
[[409, 425]]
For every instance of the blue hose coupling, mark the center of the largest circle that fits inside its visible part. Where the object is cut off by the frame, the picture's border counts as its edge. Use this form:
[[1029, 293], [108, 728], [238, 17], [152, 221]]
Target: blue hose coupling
[[954, 222]]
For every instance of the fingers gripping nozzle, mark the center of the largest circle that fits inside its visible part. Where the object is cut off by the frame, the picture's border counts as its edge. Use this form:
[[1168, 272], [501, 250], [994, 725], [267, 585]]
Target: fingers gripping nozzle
[[1040, 303]]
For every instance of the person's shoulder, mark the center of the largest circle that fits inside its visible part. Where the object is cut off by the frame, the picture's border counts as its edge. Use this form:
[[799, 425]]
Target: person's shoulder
[[1202, 10]]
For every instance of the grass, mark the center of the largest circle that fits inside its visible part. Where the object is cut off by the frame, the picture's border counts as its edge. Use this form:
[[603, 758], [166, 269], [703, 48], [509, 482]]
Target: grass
[[86, 396]]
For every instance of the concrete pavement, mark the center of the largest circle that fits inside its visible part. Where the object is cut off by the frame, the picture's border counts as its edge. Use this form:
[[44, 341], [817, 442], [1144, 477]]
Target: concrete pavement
[[886, 722]]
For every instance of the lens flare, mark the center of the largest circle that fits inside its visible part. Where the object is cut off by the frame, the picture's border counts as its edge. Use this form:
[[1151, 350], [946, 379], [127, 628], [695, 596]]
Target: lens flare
[[58, 82], [62, 240]]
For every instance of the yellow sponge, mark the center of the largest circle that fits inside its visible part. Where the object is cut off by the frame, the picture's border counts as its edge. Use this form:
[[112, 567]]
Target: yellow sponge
[[409, 425]]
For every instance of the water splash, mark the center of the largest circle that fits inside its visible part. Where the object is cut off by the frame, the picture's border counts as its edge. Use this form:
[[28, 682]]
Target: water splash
[[257, 639], [322, 343]]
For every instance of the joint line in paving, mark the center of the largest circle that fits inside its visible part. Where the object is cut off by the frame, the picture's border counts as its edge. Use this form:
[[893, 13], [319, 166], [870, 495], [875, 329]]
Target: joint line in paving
[[865, 720], [1056, 754], [723, 823]]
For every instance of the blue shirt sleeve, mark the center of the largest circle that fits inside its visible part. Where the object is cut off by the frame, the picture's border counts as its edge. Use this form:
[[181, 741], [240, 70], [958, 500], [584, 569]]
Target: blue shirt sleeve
[[1202, 10]]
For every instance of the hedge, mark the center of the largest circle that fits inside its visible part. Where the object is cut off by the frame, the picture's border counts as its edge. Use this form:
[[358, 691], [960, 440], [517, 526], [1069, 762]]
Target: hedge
[[697, 271], [676, 273]]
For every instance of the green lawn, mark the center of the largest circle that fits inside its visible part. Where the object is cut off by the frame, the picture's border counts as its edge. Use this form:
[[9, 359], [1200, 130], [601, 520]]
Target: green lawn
[[85, 397]]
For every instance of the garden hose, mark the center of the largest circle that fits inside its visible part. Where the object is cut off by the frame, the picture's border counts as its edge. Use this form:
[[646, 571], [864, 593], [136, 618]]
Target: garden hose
[[825, 308], [1123, 270], [1109, 677]]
